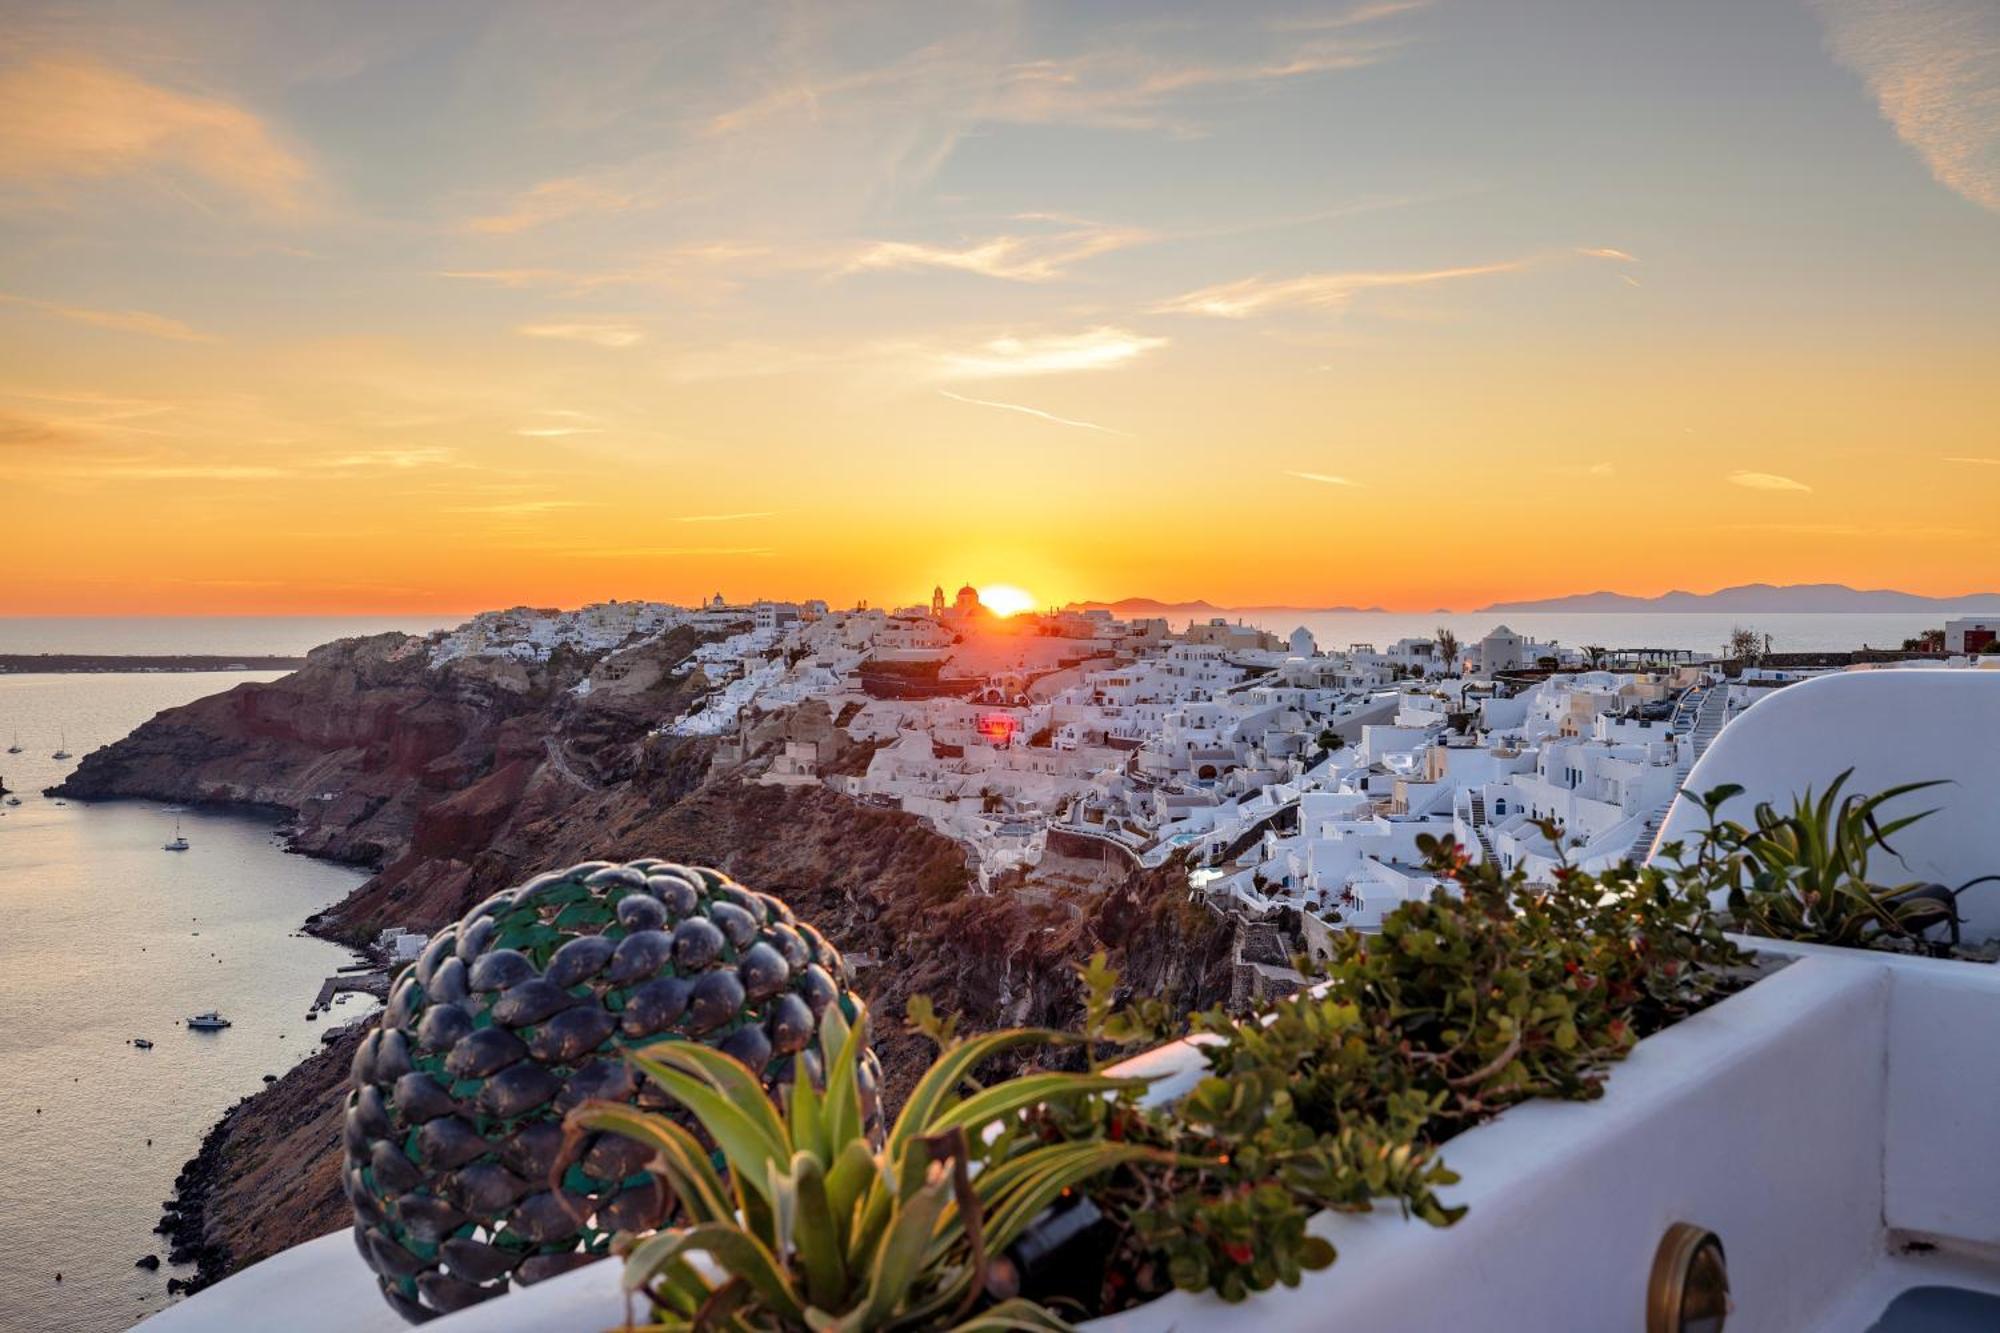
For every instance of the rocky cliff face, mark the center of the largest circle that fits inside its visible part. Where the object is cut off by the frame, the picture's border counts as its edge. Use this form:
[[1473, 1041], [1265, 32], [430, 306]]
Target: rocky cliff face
[[456, 782]]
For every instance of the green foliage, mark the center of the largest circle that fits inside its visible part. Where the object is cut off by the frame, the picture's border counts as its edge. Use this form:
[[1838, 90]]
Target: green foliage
[[803, 1224], [1803, 875], [1338, 1097]]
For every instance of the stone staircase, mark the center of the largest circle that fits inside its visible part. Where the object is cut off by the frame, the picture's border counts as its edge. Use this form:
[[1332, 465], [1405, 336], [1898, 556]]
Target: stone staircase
[[1479, 826], [1700, 716]]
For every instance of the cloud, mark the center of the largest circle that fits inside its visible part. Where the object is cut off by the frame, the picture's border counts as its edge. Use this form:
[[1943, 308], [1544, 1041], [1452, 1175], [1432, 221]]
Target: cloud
[[393, 459], [121, 321], [1933, 67], [70, 119], [521, 507], [1253, 296], [661, 552], [1100, 348], [1350, 18], [958, 81], [1766, 481], [725, 518], [598, 335], [1018, 258], [1323, 478], [1032, 412], [1606, 252], [1977, 462], [568, 421], [554, 201]]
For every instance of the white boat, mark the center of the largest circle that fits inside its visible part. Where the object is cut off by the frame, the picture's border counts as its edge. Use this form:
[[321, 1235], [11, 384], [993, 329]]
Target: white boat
[[208, 1022], [62, 748], [177, 843]]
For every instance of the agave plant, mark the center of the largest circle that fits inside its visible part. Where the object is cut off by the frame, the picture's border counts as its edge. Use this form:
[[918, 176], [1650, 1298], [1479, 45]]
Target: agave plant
[[810, 1225], [1804, 875]]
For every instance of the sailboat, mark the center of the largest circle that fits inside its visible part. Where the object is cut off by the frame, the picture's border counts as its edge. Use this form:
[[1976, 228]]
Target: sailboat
[[62, 746], [15, 748], [177, 843]]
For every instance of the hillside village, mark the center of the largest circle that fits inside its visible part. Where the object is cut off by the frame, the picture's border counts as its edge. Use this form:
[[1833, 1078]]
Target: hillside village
[[1295, 779]]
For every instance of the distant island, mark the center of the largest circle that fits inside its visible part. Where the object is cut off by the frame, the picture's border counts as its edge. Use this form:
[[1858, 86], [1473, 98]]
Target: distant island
[[1149, 606], [1746, 598], [72, 663], [1762, 598]]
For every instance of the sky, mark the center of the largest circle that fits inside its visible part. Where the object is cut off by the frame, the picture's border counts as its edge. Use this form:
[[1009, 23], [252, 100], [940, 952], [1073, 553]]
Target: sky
[[321, 308]]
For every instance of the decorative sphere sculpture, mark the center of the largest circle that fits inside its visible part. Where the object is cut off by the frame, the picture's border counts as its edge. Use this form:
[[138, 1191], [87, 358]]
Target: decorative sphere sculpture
[[520, 1012]]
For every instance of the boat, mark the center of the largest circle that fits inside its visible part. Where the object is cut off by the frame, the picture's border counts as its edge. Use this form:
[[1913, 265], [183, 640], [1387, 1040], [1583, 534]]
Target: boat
[[62, 748], [142, 1043], [15, 748], [13, 800], [177, 843], [208, 1022]]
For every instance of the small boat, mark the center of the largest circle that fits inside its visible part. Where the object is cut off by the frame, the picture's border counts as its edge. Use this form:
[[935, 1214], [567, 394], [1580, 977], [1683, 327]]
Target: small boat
[[177, 843], [62, 747], [13, 800], [15, 748], [208, 1022], [142, 1043]]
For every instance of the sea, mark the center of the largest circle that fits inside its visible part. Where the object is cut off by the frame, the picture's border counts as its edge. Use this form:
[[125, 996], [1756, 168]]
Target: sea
[[108, 937]]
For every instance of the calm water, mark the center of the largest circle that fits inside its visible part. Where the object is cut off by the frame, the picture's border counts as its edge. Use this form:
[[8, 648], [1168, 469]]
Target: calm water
[[272, 636], [108, 937]]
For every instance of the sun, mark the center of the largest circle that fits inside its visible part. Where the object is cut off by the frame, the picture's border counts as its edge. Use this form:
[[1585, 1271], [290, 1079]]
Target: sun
[[1004, 599]]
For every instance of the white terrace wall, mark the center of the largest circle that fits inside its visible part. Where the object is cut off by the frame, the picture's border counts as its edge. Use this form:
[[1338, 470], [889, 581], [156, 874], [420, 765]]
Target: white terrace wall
[[1890, 727]]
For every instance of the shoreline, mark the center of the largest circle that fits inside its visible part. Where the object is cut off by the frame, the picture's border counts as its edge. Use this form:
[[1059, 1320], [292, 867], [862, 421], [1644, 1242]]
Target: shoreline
[[71, 664]]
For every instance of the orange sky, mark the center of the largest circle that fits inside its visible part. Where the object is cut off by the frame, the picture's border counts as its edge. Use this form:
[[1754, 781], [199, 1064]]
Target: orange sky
[[1377, 304]]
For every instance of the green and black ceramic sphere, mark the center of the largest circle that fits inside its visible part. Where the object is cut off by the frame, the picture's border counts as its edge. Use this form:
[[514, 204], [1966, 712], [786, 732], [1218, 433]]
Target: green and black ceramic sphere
[[522, 1011]]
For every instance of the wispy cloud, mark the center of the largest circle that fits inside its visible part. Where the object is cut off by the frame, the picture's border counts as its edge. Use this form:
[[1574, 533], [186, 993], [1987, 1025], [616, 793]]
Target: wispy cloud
[[1348, 18], [1032, 412], [65, 120], [121, 321], [521, 507], [1125, 90], [1323, 478], [1606, 252], [1117, 88], [1933, 67], [1101, 348], [392, 459], [1976, 462], [725, 518], [1871, 531], [663, 552], [1766, 481], [554, 201], [1020, 258], [1254, 296], [598, 335]]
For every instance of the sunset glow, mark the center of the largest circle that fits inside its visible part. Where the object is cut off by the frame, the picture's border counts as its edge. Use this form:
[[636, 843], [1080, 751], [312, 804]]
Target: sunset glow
[[1005, 600], [464, 305]]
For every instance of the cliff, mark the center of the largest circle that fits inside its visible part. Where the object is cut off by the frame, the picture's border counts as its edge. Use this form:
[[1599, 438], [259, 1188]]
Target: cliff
[[455, 782]]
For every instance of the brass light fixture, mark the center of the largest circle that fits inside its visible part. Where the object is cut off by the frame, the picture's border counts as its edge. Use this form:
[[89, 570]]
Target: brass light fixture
[[1689, 1288]]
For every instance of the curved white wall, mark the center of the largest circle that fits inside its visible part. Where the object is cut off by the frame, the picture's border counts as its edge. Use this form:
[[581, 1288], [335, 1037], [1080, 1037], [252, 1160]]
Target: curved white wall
[[1890, 727]]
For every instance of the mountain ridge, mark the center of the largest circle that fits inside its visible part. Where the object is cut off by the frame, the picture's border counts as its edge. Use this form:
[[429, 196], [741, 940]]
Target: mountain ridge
[[1747, 598], [1810, 598]]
